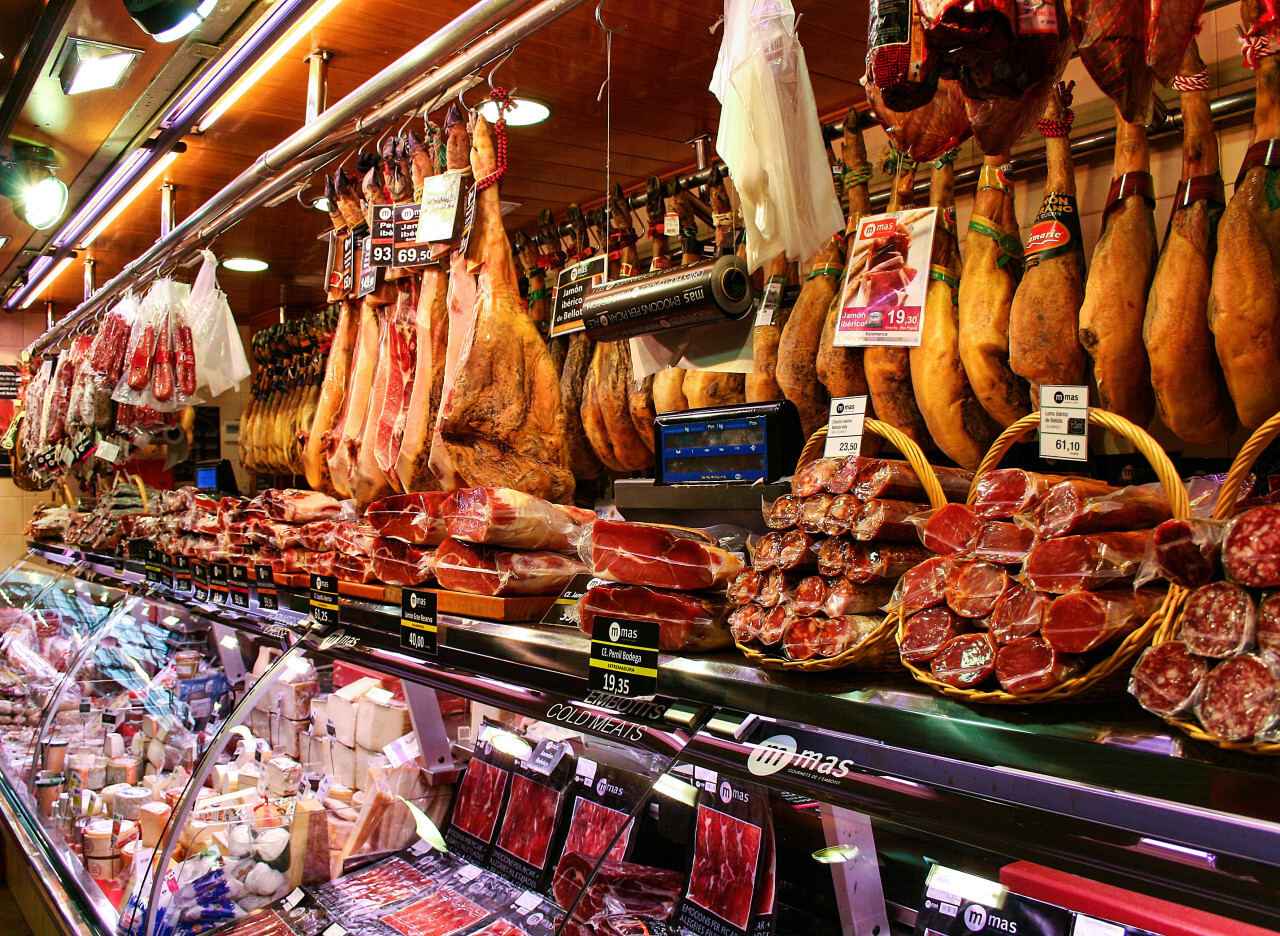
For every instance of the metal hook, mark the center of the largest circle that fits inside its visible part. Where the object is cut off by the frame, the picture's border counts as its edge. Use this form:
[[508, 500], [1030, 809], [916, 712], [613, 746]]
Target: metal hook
[[501, 61], [600, 20]]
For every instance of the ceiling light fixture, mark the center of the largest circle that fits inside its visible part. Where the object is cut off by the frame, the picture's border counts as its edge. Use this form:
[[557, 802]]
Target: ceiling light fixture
[[84, 65], [128, 198], [245, 264], [38, 196], [4, 241], [167, 20], [48, 279], [268, 61], [527, 111]]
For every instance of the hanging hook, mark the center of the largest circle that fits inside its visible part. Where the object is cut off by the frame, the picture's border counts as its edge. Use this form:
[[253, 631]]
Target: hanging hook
[[501, 61], [600, 20]]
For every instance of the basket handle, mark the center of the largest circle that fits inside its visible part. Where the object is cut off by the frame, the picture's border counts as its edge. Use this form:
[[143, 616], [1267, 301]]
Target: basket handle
[[1175, 490], [1243, 464], [899, 440]]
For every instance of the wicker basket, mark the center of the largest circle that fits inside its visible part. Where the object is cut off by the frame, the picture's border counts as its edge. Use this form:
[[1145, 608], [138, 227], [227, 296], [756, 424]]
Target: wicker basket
[[1107, 678], [1227, 495], [879, 650]]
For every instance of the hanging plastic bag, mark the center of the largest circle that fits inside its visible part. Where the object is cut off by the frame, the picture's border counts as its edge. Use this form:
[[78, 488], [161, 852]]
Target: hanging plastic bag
[[769, 133], [215, 341], [154, 376]]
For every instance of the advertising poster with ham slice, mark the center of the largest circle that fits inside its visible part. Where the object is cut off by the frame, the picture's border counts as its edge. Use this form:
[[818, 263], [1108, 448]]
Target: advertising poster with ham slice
[[886, 280]]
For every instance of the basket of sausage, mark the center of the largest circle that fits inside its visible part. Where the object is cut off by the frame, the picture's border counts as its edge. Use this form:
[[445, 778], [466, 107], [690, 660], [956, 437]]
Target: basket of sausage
[[814, 595], [1030, 594], [1214, 668]]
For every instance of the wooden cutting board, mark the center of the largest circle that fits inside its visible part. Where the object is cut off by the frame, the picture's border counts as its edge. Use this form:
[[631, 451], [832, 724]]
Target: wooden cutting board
[[521, 608]]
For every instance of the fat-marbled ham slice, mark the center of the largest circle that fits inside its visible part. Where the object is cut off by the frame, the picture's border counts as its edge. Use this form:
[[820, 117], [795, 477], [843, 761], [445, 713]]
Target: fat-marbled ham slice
[[505, 517], [401, 351]]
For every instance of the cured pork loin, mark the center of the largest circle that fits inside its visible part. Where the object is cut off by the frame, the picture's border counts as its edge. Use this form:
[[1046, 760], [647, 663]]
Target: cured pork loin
[[503, 517], [955, 419], [501, 421], [337, 374], [1190, 390], [1115, 295], [992, 268], [1044, 320], [1244, 311]]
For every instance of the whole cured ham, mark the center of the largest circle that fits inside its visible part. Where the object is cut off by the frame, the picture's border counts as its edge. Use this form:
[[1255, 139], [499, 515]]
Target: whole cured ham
[[501, 421], [1115, 295], [928, 131], [1112, 38], [1190, 390], [341, 438], [1244, 311], [485, 570], [293, 506], [762, 383], [503, 517], [992, 268], [797, 372], [1171, 31], [1044, 320]]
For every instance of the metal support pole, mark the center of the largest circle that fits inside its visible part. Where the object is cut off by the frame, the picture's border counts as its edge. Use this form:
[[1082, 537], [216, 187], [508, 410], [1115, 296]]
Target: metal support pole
[[90, 280], [317, 83], [48, 314], [168, 207]]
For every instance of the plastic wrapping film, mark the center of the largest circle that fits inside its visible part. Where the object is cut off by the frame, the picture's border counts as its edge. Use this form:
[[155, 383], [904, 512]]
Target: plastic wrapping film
[[1081, 505], [1030, 664], [617, 889], [687, 622], [318, 535], [784, 512], [1003, 543], [948, 531], [1251, 548], [897, 480], [153, 376], [814, 477], [415, 518], [660, 556], [813, 512], [1241, 699], [109, 351], [486, 570], [1219, 620], [975, 588], [296, 506], [396, 562], [505, 517], [925, 633], [1072, 563], [215, 339], [1268, 632], [810, 638], [353, 567], [841, 514], [885, 520], [355, 536], [1168, 679], [965, 661], [1082, 621], [923, 586], [1186, 552]]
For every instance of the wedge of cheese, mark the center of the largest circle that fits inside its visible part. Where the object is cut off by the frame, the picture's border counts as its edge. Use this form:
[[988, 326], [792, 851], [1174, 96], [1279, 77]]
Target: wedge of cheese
[[378, 723], [341, 708]]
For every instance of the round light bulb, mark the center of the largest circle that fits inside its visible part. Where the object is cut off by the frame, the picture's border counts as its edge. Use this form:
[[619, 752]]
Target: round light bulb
[[244, 264], [44, 203]]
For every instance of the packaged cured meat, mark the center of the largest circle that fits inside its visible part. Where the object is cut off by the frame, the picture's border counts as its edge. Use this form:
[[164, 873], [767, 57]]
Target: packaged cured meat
[[664, 557], [355, 537], [1072, 507], [848, 597], [1171, 29], [505, 517], [796, 550], [841, 513], [745, 586], [1268, 633], [902, 70], [813, 478], [523, 853], [614, 887], [687, 622], [1168, 678], [1004, 493], [886, 520], [778, 586], [923, 586], [485, 570], [1240, 699], [1003, 543], [1251, 549], [975, 588], [1184, 552], [443, 913], [775, 622], [835, 555], [811, 594], [814, 512], [968, 32], [317, 535], [897, 480], [925, 632], [1070, 563], [319, 563], [745, 623], [1112, 36], [844, 478], [1029, 664], [812, 638], [1218, 620], [414, 518], [396, 562], [481, 798], [765, 554], [1082, 621], [602, 800], [965, 661], [948, 531], [293, 506], [783, 512], [353, 567]]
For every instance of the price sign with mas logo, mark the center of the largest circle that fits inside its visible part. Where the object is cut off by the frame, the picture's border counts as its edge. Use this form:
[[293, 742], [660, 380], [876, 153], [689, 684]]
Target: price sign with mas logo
[[886, 280], [1064, 423], [418, 621], [382, 235], [324, 599], [268, 598], [844, 427], [624, 658]]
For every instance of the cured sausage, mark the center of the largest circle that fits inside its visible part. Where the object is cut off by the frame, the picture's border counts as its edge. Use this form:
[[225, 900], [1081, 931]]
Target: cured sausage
[[885, 520], [841, 514], [1241, 698], [766, 552], [812, 478], [897, 480], [924, 585], [1167, 679], [813, 512], [162, 379], [1115, 295], [1075, 506], [1190, 389], [1006, 492], [762, 383], [1018, 613], [1082, 621], [926, 632], [778, 587], [1251, 550], [810, 638], [849, 597], [956, 421], [882, 562], [1070, 563], [745, 623], [965, 661], [1044, 320], [835, 555], [1003, 543], [745, 586], [1219, 620], [775, 623], [784, 512], [1187, 552], [974, 590], [796, 550], [843, 480], [951, 530], [811, 595], [992, 268], [1031, 665]]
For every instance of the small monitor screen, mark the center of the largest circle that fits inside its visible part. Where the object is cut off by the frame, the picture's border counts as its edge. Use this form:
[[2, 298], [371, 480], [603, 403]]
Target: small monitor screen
[[207, 478]]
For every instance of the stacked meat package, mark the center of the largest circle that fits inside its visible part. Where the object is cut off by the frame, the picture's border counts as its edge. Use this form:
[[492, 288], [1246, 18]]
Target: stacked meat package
[[1224, 667], [841, 539]]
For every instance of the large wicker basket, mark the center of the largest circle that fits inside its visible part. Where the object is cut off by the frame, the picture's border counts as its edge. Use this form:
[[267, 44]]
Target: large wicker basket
[[1107, 678], [879, 650], [1227, 495]]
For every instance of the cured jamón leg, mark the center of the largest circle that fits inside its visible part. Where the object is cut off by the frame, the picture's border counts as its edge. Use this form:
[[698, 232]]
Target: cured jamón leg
[[583, 461], [1044, 321], [802, 337], [668, 390], [1191, 393], [356, 400], [1115, 295], [762, 382], [992, 267], [413, 466]]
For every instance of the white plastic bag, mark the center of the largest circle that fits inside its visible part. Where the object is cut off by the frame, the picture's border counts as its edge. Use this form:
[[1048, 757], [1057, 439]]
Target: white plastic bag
[[769, 133], [220, 359]]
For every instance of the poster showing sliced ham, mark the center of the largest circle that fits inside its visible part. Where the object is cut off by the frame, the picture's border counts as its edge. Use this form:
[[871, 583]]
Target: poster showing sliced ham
[[594, 831], [479, 800], [726, 865], [531, 820]]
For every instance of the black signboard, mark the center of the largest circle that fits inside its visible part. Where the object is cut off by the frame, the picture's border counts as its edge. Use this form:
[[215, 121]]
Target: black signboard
[[382, 235], [557, 615], [368, 273], [154, 569], [418, 621], [238, 587], [200, 581], [348, 263], [624, 657], [268, 598], [182, 574], [409, 251], [218, 581], [571, 291], [324, 599]]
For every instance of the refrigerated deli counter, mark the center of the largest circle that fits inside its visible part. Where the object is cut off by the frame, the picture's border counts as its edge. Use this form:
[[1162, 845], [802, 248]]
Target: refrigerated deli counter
[[178, 762]]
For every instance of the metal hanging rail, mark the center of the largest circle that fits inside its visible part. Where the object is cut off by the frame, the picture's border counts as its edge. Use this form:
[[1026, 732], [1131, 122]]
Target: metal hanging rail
[[386, 96]]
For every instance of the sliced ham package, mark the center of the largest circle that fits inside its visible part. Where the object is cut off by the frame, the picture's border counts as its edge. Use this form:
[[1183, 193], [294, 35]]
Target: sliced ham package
[[414, 518], [536, 798], [688, 621], [660, 556], [597, 816], [486, 570], [481, 798], [396, 562], [505, 517]]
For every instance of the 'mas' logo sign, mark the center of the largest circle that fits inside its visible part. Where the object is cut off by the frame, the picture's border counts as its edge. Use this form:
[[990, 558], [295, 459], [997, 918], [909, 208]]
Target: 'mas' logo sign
[[771, 755]]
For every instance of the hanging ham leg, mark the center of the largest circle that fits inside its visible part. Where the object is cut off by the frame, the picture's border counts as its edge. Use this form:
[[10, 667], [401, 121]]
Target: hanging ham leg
[[368, 481], [583, 461], [762, 384], [1112, 36], [501, 419], [992, 266], [802, 337], [840, 369], [1115, 295], [1171, 32], [1044, 321], [668, 384], [1245, 310], [431, 325], [1191, 393], [956, 420], [364, 360], [403, 351]]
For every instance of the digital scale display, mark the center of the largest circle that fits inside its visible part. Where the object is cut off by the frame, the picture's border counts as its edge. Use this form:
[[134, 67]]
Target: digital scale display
[[720, 450]]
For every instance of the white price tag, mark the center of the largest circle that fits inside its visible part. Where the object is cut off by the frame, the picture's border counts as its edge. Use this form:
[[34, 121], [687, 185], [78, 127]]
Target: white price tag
[[403, 749], [294, 898], [108, 451], [770, 302], [528, 902], [670, 224], [1088, 926], [1064, 423], [468, 872], [844, 426]]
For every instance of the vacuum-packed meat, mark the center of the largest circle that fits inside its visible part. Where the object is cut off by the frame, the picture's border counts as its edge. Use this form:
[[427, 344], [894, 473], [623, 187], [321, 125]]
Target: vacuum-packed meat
[[745, 622], [485, 570], [784, 512], [1241, 698], [1003, 543], [293, 506], [1268, 632], [504, 517], [687, 622], [1004, 493], [442, 913], [664, 557], [479, 799], [1187, 552], [1074, 506], [897, 480], [1167, 679], [965, 661], [814, 512], [886, 520], [813, 477], [414, 518], [1251, 550], [810, 638], [726, 855], [1070, 563], [745, 586], [1219, 620], [811, 593], [399, 563], [841, 514], [951, 530], [1029, 664], [1082, 621], [615, 886], [975, 588], [925, 633], [849, 597], [530, 820], [924, 585]]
